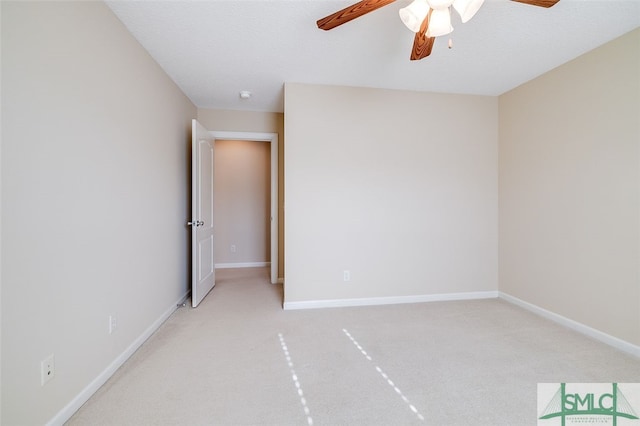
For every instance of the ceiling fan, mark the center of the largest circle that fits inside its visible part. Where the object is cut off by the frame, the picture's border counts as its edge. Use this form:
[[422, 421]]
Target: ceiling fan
[[427, 18]]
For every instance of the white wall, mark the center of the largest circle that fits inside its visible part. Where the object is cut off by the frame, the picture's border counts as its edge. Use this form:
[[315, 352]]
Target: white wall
[[242, 202], [570, 190], [399, 188], [95, 143]]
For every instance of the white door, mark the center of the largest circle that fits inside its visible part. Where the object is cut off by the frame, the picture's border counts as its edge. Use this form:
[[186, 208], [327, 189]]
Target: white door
[[203, 273]]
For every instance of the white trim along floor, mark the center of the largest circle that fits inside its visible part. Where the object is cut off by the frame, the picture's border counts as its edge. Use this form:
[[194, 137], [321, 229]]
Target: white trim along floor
[[240, 359]]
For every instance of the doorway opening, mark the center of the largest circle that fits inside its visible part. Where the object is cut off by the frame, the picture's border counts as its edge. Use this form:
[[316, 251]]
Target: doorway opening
[[272, 140]]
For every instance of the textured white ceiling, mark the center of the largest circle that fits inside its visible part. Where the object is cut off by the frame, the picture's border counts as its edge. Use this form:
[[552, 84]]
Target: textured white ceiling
[[214, 49]]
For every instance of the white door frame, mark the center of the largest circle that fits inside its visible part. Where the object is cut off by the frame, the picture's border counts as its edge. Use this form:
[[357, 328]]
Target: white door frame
[[271, 138]]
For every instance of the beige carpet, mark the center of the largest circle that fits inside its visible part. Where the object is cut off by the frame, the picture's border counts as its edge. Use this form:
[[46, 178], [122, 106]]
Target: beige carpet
[[239, 359]]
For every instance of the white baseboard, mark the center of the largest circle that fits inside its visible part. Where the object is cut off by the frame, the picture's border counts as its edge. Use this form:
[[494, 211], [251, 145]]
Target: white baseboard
[[574, 325], [241, 265], [391, 300], [75, 404]]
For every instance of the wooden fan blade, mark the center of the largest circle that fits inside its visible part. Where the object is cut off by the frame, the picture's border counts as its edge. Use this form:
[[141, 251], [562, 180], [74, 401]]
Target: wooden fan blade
[[541, 3], [352, 12], [422, 44]]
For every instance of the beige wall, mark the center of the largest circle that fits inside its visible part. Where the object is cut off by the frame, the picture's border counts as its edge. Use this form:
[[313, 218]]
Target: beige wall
[[1, 120], [570, 188], [242, 202], [95, 143], [399, 188], [242, 121], [251, 121]]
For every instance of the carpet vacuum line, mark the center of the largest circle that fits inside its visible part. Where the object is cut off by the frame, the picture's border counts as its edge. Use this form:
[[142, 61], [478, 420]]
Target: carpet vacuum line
[[294, 377], [384, 375]]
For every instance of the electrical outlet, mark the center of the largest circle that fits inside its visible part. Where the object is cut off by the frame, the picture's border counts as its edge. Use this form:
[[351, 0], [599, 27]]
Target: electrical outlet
[[346, 276], [47, 369], [113, 323], [233, 248]]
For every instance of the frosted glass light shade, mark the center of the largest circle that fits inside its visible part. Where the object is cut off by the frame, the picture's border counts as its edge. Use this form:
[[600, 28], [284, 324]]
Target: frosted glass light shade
[[413, 15], [440, 23], [467, 8], [439, 4]]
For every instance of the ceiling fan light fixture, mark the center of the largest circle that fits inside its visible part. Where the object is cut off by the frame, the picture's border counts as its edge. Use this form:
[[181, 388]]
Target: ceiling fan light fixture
[[467, 8], [413, 15], [428, 19], [440, 23]]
